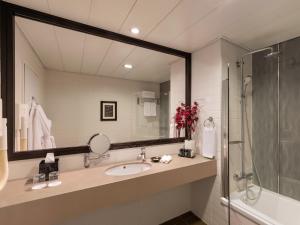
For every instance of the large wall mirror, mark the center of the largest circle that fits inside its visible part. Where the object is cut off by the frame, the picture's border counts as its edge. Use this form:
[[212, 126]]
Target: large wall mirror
[[69, 84]]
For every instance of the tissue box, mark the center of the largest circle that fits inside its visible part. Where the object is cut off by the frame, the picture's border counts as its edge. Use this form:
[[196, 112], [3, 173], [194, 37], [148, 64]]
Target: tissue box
[[47, 168]]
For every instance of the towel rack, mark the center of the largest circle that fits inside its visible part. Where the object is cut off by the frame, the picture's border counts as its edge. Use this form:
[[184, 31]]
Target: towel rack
[[209, 120], [34, 100], [140, 101]]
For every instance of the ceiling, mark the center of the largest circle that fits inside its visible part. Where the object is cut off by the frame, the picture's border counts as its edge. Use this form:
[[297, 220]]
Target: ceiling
[[185, 24], [71, 51]]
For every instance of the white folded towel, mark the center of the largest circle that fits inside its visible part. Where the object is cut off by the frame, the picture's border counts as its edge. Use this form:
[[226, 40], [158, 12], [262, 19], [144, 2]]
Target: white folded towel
[[149, 109], [209, 142], [166, 159], [153, 108]]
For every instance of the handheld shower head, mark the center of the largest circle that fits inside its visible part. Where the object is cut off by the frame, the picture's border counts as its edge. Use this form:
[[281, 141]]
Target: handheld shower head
[[247, 79]]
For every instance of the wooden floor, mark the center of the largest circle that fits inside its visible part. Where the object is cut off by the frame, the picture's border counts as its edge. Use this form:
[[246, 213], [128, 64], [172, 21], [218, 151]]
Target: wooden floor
[[186, 219]]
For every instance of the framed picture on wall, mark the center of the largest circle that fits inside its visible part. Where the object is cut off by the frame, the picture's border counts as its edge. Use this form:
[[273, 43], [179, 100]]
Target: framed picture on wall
[[108, 111]]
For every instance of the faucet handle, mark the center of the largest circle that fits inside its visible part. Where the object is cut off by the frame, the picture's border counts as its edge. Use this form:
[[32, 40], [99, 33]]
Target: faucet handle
[[142, 155]]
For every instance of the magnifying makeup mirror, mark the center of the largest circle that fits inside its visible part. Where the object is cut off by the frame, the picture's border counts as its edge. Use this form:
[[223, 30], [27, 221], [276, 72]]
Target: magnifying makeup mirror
[[99, 143]]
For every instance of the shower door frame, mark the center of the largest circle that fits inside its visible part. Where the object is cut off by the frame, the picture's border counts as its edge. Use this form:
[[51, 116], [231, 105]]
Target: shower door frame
[[225, 141]]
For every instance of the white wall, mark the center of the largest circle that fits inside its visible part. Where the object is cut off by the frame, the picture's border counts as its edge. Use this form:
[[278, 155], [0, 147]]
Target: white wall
[[73, 105], [206, 89], [209, 68], [25, 55]]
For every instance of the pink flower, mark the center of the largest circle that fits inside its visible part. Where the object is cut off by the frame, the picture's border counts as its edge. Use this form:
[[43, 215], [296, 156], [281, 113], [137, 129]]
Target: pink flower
[[186, 116]]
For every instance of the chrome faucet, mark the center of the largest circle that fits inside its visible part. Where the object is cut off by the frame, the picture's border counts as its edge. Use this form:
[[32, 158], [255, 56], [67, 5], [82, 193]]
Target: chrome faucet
[[142, 155], [238, 177], [88, 158]]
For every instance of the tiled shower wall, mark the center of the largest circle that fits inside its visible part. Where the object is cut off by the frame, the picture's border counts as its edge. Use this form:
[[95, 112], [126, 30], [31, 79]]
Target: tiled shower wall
[[276, 121], [265, 117]]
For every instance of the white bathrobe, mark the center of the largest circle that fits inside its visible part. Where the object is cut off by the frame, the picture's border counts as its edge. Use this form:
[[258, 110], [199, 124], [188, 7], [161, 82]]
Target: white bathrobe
[[39, 129]]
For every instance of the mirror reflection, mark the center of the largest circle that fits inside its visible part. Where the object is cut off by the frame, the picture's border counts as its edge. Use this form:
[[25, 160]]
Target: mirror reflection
[[99, 143], [71, 85]]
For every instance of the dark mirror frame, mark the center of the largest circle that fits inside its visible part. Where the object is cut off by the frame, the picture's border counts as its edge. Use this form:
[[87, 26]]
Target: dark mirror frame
[[7, 24]]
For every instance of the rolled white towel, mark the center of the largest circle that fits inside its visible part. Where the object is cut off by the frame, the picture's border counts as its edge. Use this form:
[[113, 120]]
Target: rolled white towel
[[209, 142]]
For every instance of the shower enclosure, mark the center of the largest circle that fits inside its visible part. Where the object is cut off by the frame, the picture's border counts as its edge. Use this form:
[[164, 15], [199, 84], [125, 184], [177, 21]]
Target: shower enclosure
[[264, 134]]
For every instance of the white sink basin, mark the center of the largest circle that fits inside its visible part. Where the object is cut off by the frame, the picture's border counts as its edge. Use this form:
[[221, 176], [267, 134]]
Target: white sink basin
[[128, 169]]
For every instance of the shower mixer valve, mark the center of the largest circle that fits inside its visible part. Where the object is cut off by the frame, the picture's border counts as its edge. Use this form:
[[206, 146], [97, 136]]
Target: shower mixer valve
[[239, 177]]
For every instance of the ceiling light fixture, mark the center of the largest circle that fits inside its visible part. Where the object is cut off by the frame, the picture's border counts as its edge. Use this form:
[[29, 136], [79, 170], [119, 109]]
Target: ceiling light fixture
[[135, 30], [128, 66]]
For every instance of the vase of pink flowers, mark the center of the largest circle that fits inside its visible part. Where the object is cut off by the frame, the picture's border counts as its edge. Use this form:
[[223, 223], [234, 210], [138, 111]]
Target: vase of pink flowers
[[187, 117]]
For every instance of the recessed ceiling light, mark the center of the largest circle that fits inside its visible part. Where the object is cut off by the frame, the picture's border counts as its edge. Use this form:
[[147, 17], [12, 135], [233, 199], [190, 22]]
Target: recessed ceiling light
[[128, 66], [135, 30]]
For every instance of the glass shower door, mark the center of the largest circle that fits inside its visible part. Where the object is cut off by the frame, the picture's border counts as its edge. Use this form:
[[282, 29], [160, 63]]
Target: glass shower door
[[253, 134], [289, 119]]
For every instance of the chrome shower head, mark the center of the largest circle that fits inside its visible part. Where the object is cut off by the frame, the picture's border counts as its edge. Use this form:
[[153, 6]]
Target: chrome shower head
[[272, 54]]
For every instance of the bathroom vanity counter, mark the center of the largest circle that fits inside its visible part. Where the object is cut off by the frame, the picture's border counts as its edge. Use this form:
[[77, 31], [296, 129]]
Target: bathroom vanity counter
[[88, 189]]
